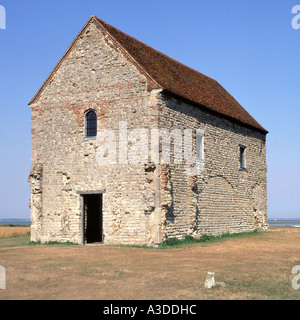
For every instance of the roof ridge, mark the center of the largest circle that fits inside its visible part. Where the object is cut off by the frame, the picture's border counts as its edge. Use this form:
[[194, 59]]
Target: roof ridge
[[102, 23], [182, 80], [169, 74], [160, 52]]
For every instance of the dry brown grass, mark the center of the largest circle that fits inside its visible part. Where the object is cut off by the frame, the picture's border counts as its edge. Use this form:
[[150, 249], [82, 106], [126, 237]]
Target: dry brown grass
[[252, 267], [7, 232]]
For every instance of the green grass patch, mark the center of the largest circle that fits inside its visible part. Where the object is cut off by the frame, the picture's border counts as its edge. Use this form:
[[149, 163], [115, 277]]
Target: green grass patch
[[51, 243], [187, 240], [134, 246], [15, 241], [119, 272]]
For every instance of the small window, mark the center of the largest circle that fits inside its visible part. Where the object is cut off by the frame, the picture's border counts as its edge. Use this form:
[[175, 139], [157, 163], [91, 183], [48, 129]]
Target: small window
[[242, 158], [91, 124], [199, 145]]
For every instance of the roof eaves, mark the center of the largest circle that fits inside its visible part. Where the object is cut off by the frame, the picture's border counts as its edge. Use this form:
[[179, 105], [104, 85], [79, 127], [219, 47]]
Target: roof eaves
[[219, 114]]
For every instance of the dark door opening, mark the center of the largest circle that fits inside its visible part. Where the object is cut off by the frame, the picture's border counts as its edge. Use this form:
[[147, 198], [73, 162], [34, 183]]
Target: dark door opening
[[93, 218]]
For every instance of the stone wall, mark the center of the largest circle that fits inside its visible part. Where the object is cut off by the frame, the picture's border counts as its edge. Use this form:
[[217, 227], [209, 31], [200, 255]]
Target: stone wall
[[95, 74], [219, 198], [143, 202]]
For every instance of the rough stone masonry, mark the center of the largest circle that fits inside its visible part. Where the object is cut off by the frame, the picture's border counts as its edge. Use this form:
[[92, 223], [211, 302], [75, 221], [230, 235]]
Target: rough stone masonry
[[125, 81]]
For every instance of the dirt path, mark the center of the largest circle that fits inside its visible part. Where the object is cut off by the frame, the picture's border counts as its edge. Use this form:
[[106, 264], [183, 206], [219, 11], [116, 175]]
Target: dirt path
[[252, 267]]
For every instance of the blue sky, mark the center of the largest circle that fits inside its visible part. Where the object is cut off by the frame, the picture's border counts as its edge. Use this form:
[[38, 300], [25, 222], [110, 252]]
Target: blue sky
[[249, 46]]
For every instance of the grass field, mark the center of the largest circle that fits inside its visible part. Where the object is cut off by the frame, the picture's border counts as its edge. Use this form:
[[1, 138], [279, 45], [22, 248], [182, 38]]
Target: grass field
[[256, 266], [10, 231]]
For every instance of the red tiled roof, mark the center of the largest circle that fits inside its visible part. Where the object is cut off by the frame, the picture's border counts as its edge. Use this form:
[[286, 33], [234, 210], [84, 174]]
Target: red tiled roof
[[181, 80], [172, 76]]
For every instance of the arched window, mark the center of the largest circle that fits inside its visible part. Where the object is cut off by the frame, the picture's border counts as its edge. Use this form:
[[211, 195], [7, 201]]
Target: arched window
[[91, 124]]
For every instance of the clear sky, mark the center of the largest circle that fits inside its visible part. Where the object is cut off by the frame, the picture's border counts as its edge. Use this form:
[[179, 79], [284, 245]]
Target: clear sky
[[248, 46]]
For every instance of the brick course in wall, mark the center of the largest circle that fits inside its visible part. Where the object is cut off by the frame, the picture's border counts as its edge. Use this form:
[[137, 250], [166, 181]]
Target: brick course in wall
[[222, 198]]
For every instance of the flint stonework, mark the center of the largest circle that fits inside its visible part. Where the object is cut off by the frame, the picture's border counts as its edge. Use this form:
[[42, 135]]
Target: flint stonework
[[143, 202]]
